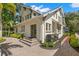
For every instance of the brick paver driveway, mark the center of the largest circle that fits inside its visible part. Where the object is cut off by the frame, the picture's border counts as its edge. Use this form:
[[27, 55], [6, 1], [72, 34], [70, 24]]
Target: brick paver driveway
[[66, 50], [17, 48]]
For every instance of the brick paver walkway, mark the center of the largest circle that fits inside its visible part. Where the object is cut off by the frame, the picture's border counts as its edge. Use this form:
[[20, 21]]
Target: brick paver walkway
[[19, 49], [65, 49], [16, 48]]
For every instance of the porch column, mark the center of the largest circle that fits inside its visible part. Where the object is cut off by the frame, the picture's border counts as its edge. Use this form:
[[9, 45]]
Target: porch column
[[42, 33]]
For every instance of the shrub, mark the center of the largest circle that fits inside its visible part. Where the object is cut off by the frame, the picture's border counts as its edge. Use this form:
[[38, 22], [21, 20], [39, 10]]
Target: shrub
[[2, 39], [48, 44], [66, 34], [18, 36], [74, 41]]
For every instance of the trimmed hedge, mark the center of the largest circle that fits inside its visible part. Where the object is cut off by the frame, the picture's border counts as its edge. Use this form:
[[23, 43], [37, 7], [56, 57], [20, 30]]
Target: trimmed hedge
[[2, 39], [18, 36], [74, 42]]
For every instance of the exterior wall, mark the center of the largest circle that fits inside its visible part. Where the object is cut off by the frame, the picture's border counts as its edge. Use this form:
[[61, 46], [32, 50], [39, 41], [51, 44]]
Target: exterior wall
[[27, 24], [41, 24], [26, 12], [0, 25], [49, 19]]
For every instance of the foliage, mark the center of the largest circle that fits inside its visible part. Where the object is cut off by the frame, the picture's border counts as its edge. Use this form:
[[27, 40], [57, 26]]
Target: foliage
[[2, 39], [1, 6], [48, 44], [66, 34], [74, 42], [8, 14], [72, 21], [18, 36]]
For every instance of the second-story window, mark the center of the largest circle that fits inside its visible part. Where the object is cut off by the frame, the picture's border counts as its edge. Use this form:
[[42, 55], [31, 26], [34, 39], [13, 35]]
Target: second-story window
[[34, 14], [28, 16]]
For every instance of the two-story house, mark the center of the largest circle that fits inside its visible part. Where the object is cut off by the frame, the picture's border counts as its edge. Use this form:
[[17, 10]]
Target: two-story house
[[36, 25]]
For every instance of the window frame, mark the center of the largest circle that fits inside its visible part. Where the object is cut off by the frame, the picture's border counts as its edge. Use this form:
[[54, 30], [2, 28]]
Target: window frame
[[48, 27]]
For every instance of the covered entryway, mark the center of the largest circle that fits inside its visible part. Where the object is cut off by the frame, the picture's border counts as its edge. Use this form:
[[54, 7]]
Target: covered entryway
[[33, 31]]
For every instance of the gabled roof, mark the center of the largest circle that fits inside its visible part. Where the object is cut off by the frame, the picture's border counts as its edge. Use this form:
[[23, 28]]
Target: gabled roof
[[32, 9], [53, 11]]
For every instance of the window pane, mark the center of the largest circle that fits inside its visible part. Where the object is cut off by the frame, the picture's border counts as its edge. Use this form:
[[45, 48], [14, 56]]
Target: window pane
[[49, 26]]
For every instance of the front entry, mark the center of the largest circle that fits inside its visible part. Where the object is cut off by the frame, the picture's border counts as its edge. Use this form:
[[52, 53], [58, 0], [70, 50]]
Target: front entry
[[33, 31]]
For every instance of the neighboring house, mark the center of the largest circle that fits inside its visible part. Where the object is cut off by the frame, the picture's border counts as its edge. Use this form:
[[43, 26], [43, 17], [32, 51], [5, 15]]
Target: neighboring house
[[0, 24], [36, 25]]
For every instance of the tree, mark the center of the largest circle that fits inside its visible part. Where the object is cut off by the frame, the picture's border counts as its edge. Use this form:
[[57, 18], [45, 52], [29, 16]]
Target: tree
[[8, 14], [72, 21]]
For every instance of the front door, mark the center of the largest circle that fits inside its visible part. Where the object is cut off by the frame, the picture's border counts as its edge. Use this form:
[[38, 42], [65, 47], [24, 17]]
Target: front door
[[33, 31]]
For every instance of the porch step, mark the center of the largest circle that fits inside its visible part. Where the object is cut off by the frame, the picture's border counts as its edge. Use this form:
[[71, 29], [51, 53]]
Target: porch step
[[29, 42]]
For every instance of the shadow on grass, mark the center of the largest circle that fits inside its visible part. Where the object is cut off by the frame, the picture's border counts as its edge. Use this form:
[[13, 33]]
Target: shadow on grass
[[6, 46]]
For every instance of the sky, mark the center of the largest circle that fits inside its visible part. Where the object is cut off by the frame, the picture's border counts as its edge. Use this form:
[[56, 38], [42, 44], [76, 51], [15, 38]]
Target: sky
[[45, 7]]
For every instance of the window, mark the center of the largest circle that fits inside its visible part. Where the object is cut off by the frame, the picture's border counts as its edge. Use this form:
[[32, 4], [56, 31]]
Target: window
[[28, 16], [24, 8], [20, 19], [48, 27], [34, 14]]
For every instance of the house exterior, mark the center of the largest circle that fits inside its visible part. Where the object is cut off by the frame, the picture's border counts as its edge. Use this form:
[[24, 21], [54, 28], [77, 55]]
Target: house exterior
[[0, 24], [36, 25]]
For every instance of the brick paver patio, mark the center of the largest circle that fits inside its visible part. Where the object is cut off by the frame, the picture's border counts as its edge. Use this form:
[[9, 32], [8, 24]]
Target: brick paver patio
[[19, 49], [16, 48]]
